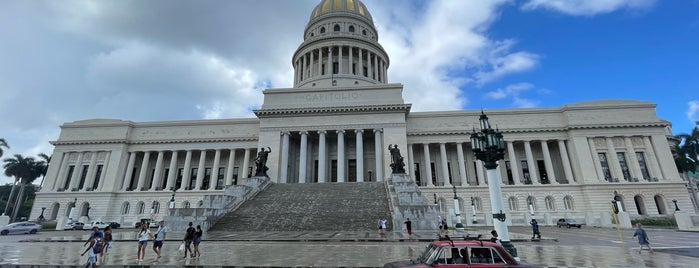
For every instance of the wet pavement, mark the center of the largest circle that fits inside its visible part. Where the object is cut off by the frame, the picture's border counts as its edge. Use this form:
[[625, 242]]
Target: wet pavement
[[348, 249]]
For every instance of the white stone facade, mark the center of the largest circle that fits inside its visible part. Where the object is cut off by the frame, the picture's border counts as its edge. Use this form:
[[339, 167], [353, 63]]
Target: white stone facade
[[335, 125]]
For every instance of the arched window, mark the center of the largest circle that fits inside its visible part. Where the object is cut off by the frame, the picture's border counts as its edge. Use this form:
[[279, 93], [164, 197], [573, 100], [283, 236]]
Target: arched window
[[186, 204], [478, 204], [640, 206], [364, 32], [311, 34], [660, 205], [351, 28], [512, 201], [336, 28], [531, 201], [141, 207], [550, 205], [156, 207], [322, 30], [125, 208], [568, 203], [619, 198]]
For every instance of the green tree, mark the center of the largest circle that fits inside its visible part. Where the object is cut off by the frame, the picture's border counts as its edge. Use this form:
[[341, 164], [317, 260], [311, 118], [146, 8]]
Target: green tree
[[3, 143], [686, 154], [43, 164], [25, 170]]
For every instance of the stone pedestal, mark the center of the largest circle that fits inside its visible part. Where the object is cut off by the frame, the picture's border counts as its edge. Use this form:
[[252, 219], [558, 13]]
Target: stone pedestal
[[687, 221], [60, 222], [4, 220], [410, 203]]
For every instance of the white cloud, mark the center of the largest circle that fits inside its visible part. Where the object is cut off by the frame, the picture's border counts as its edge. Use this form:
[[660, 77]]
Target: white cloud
[[693, 111], [588, 7], [514, 92]]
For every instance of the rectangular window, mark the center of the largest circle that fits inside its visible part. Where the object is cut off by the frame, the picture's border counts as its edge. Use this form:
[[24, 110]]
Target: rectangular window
[[624, 165], [98, 174], [133, 179], [336, 68], [207, 179], [475, 167], [365, 72], [315, 171], [525, 172], [510, 180], [163, 182], [434, 173], [235, 176], [178, 182], [322, 69], [83, 176], [642, 164], [193, 179], [68, 177], [417, 174], [542, 172], [152, 177], [352, 170], [449, 172], [354, 68], [333, 170], [219, 179], [605, 166]]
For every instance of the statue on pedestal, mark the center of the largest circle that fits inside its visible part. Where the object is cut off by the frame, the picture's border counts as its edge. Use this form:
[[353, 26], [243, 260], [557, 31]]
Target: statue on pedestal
[[261, 162], [397, 164]]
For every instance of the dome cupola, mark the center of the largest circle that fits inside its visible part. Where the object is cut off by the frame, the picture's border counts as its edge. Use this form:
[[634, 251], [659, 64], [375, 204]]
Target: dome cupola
[[340, 48]]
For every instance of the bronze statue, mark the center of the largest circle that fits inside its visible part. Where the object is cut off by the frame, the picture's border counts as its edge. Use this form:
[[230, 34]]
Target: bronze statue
[[397, 164], [261, 162]]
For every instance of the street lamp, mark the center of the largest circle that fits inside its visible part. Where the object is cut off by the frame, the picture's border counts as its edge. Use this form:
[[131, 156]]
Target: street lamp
[[41, 217], [489, 146], [473, 208], [172, 201], [676, 207], [531, 209], [457, 211]]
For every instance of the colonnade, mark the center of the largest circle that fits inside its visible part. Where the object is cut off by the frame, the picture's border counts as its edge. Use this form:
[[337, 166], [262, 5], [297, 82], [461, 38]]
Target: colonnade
[[81, 176], [625, 159], [351, 60]]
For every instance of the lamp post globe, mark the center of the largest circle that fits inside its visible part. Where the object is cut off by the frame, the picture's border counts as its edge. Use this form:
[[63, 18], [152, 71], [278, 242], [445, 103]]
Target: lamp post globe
[[488, 145], [457, 211]]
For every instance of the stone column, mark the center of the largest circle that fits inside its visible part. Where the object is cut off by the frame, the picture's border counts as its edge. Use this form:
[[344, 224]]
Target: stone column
[[229, 168], [172, 175], [142, 175], [445, 166], [379, 154], [89, 180], [128, 176], [480, 172], [187, 170], [63, 168], [428, 162], [368, 64], [514, 165], [547, 162], [104, 169], [653, 165], [634, 167], [360, 153], [411, 160], [613, 161], [340, 155], [77, 170], [158, 171], [200, 170], [320, 61], [462, 167], [246, 164], [329, 64], [531, 164], [568, 171], [596, 160], [349, 57], [361, 62], [312, 65], [322, 156], [213, 181], [303, 157], [376, 68], [284, 163], [339, 59]]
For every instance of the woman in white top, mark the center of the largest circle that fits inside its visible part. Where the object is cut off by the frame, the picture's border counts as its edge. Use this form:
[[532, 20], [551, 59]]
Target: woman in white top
[[143, 236]]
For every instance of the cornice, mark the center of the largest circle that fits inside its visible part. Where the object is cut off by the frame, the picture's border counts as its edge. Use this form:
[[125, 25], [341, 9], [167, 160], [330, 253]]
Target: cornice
[[262, 113], [332, 127], [536, 130], [169, 141]]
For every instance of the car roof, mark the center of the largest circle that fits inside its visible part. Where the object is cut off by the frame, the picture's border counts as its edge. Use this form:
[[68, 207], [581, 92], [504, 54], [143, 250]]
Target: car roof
[[462, 243]]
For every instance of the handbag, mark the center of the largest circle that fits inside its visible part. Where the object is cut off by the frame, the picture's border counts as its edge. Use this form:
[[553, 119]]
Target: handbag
[[181, 249]]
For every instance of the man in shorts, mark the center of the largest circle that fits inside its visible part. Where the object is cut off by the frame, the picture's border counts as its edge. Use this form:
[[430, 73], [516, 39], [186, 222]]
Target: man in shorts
[[159, 237]]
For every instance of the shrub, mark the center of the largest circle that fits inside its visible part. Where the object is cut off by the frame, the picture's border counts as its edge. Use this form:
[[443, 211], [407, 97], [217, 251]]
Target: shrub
[[658, 222]]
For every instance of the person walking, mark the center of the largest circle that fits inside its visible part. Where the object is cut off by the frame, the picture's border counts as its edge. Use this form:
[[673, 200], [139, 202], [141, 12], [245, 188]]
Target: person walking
[[197, 241], [495, 238], [382, 226], [107, 239], [409, 226], [440, 223], [535, 229], [91, 256], [142, 236], [642, 238], [158, 238], [95, 233], [188, 238]]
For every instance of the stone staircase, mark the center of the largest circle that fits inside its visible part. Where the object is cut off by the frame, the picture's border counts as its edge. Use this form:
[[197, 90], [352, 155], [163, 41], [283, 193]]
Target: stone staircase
[[311, 207]]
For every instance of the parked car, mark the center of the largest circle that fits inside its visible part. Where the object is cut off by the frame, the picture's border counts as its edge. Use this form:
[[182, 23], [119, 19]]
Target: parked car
[[114, 225], [97, 224], [20, 228], [142, 221], [461, 253], [75, 225], [568, 223]]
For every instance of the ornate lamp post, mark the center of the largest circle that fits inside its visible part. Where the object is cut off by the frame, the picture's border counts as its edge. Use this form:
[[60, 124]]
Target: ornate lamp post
[[41, 217], [457, 211], [473, 208], [172, 201], [489, 146], [531, 209]]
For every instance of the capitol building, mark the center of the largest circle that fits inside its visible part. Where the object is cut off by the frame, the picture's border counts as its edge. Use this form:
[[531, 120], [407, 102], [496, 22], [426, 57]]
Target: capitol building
[[335, 125]]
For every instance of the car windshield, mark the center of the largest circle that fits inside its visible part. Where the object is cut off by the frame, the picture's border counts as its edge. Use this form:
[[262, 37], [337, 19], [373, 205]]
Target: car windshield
[[570, 220], [428, 256]]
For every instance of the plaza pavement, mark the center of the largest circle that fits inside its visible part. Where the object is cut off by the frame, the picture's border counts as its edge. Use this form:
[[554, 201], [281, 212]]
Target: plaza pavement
[[320, 249]]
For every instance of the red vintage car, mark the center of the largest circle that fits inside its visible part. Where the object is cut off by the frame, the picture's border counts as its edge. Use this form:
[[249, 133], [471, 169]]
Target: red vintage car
[[461, 253]]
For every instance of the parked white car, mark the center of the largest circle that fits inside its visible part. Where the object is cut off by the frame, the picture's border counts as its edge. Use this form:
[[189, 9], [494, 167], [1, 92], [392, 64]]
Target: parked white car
[[98, 224]]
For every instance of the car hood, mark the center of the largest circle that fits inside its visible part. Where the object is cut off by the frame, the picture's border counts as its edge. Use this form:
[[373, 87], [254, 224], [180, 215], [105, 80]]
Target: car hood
[[408, 263]]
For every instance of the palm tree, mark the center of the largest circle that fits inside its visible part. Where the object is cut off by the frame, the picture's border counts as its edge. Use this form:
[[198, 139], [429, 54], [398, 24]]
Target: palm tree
[[686, 153], [43, 164], [25, 171], [691, 142], [3, 143]]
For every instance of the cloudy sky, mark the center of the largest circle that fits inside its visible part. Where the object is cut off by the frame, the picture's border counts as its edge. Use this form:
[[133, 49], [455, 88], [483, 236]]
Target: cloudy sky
[[63, 61]]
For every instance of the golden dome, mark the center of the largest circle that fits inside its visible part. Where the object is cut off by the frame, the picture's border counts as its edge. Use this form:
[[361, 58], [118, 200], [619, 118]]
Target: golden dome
[[329, 6]]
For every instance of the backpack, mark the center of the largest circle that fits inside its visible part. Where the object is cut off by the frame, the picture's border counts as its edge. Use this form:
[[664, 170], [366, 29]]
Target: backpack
[[98, 246]]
